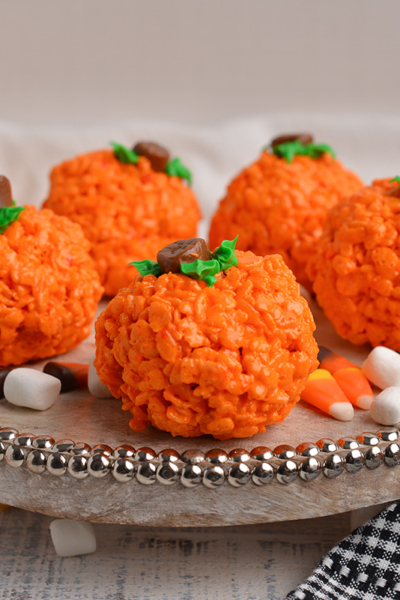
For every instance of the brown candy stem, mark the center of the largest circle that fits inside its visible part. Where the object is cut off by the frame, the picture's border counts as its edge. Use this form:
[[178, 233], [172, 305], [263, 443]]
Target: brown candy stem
[[304, 138], [395, 192], [171, 257], [157, 155], [5, 192]]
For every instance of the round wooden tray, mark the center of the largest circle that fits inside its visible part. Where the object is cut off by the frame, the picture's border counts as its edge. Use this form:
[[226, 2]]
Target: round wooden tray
[[80, 417]]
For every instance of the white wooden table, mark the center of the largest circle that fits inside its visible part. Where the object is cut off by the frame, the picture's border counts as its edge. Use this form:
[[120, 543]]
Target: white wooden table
[[144, 563]]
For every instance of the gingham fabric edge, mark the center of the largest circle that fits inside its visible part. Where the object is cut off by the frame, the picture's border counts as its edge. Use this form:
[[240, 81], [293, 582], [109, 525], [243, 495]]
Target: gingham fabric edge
[[363, 566]]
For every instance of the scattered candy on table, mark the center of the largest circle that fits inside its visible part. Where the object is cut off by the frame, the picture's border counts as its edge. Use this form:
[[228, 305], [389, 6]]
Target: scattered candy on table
[[73, 538], [71, 375], [323, 392], [31, 388], [348, 376], [382, 367], [385, 409], [3, 375], [96, 387]]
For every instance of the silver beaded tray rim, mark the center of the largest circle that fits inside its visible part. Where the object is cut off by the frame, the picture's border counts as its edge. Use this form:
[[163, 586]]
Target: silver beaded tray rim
[[260, 466]]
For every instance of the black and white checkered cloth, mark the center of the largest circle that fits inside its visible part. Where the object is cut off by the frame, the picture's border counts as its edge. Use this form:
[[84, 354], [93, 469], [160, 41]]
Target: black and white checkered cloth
[[363, 566]]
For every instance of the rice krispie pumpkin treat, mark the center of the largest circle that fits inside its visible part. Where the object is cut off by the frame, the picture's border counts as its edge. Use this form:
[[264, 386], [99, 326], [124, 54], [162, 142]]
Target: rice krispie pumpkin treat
[[49, 288], [130, 204], [356, 266], [279, 203], [207, 343]]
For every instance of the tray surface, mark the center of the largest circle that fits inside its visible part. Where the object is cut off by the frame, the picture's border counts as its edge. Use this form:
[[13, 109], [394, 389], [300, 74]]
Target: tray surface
[[82, 418]]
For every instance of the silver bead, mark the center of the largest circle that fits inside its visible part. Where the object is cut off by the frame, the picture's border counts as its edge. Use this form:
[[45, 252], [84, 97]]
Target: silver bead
[[42, 442], [125, 451], [285, 452], [310, 468], [2, 450], [146, 473], [373, 457], [354, 460], [191, 475], [388, 434], [239, 455], [98, 465], [213, 477], [64, 446], [327, 445], [168, 455], [216, 456], [24, 440], [81, 449], [167, 473], [392, 455], [123, 470], [192, 457], [102, 449], [348, 443], [333, 466], [307, 449], [77, 466], [262, 474], [239, 474], [261, 453], [145, 454], [56, 463], [287, 472], [15, 456], [36, 461], [368, 439], [7, 434]]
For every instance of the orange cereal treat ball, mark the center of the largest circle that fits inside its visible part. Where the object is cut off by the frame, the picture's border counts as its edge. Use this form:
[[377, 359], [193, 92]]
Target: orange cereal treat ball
[[356, 268], [224, 354], [279, 203], [130, 204], [49, 288]]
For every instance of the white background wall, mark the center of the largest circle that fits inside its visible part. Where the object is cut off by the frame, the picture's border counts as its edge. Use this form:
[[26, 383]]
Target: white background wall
[[96, 61]]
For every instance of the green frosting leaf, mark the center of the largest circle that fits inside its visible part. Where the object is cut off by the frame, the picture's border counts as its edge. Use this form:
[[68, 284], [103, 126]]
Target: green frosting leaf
[[9, 214], [288, 150], [226, 255], [147, 267], [124, 154], [395, 179], [202, 269], [175, 168]]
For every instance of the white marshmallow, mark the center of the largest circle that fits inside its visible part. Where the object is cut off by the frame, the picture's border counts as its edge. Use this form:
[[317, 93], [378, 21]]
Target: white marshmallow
[[96, 388], [382, 367], [385, 408], [31, 388], [72, 538]]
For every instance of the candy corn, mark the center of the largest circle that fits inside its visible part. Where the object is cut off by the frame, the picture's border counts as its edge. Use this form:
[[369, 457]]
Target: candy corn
[[323, 392], [348, 376], [71, 375]]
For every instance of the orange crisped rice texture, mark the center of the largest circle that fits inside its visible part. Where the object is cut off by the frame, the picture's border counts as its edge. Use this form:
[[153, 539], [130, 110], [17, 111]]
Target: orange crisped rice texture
[[225, 360], [49, 288], [277, 207], [128, 212], [356, 268]]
